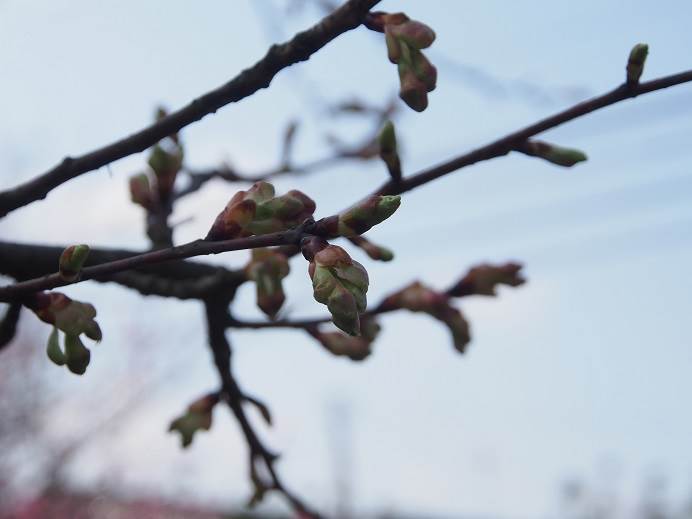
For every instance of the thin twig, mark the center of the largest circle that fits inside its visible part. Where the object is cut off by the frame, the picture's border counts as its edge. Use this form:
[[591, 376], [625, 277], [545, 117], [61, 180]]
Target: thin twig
[[194, 248], [299, 48], [509, 142], [217, 316], [495, 149]]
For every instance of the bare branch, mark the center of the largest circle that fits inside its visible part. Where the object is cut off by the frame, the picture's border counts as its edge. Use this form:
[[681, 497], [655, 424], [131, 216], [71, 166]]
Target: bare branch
[[510, 142], [188, 250], [180, 279], [299, 48], [217, 316], [292, 237]]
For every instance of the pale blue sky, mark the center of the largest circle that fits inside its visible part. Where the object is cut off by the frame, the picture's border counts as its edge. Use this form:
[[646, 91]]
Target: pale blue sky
[[589, 361]]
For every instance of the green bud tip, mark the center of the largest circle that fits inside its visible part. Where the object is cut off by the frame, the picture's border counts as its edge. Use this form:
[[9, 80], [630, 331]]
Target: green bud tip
[[387, 205], [387, 138], [71, 261], [635, 63], [386, 254], [77, 355], [53, 350], [566, 157]]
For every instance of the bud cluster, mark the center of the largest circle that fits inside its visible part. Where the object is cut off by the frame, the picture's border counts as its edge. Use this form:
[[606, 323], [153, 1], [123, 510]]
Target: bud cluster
[[165, 162], [198, 417], [258, 211], [73, 318], [267, 268], [338, 282], [418, 298], [483, 280], [355, 348], [405, 38]]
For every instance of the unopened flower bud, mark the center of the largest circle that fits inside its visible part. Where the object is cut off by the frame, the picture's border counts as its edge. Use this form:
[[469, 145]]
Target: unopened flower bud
[[260, 192], [282, 212], [355, 348], [483, 280], [231, 222], [267, 268], [393, 46], [204, 404], [140, 191], [197, 418], [566, 157], [71, 261], [413, 91], [374, 251], [415, 34], [77, 356], [72, 317], [340, 283], [418, 298], [165, 165], [257, 211], [424, 70], [635, 63], [53, 350], [366, 214], [388, 150], [458, 327], [405, 38]]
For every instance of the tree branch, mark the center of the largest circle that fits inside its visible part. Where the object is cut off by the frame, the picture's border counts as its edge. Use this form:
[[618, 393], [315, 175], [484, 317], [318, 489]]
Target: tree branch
[[217, 316], [497, 148], [509, 142], [188, 250], [180, 279], [299, 48]]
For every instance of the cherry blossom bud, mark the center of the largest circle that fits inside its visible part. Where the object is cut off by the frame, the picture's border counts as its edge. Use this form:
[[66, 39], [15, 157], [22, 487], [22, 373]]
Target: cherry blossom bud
[[483, 280], [388, 150], [77, 356], [355, 348], [566, 157], [72, 317], [165, 165], [140, 191], [415, 34], [393, 46], [257, 211], [231, 222], [71, 261], [197, 418], [53, 350], [366, 214], [281, 213], [418, 298], [413, 91], [635, 63], [405, 38], [424, 70], [340, 283], [267, 268], [374, 251]]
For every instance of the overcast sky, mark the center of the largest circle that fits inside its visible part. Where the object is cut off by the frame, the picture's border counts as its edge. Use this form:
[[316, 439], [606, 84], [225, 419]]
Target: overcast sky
[[583, 371]]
